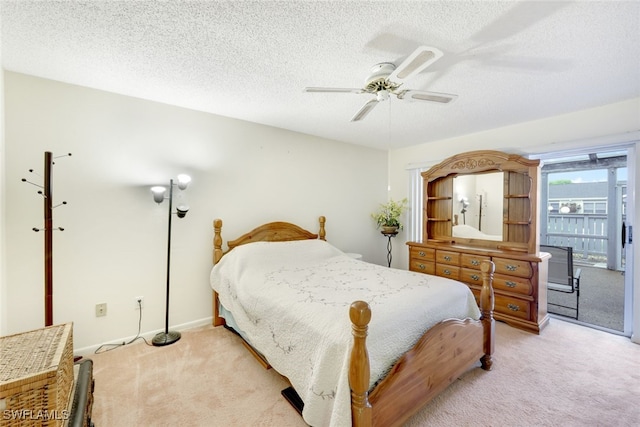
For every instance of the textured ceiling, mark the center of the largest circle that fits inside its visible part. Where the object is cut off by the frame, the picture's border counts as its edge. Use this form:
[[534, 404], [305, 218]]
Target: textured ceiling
[[509, 62]]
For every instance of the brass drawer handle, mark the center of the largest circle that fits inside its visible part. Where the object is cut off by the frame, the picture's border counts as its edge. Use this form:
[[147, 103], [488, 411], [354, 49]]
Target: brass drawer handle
[[511, 267], [475, 277], [421, 253], [475, 262], [513, 307], [510, 284], [421, 266], [447, 272], [447, 258]]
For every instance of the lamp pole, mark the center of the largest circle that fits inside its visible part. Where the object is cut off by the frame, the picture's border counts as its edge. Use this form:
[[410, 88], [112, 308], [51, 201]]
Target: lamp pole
[[167, 337]]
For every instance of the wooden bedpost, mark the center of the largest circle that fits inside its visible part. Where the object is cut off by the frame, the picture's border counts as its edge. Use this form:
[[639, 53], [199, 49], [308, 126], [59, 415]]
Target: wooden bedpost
[[217, 240], [486, 308], [322, 233], [359, 375], [217, 254]]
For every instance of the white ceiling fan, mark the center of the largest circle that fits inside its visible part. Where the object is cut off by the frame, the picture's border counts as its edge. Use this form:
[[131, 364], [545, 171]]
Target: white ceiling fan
[[387, 79]]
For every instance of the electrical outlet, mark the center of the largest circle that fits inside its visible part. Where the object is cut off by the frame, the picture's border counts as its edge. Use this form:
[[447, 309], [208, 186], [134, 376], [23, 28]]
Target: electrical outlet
[[101, 309], [139, 301]]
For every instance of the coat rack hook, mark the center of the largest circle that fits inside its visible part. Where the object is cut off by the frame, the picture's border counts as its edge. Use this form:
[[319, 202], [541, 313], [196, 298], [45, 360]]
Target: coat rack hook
[[32, 183]]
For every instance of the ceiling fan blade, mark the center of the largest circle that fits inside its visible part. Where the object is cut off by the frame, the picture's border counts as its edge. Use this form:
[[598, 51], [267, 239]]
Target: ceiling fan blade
[[366, 108], [420, 95], [420, 59], [332, 90]]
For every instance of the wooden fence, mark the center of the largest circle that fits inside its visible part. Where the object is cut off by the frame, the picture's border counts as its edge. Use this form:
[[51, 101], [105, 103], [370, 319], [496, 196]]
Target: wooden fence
[[585, 233]]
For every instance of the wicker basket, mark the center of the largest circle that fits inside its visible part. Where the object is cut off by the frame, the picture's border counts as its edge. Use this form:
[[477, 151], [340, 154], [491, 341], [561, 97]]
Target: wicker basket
[[36, 376]]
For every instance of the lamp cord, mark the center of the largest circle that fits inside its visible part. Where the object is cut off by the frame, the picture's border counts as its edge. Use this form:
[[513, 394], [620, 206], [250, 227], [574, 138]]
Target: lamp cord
[[137, 337]]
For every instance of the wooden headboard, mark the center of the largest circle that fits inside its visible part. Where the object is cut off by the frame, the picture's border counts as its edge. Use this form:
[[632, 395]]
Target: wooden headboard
[[272, 232]]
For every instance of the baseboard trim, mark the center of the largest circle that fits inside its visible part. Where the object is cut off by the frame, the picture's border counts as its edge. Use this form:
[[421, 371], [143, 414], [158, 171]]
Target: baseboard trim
[[88, 351]]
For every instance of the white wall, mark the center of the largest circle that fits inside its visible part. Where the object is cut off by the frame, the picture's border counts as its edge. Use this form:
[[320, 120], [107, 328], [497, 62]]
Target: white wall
[[114, 244], [606, 125]]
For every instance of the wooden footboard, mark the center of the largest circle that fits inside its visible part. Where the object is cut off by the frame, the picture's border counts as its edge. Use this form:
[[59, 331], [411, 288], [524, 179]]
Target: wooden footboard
[[444, 353]]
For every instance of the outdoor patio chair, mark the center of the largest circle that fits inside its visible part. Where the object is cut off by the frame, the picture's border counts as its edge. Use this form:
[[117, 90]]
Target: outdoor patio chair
[[562, 277]]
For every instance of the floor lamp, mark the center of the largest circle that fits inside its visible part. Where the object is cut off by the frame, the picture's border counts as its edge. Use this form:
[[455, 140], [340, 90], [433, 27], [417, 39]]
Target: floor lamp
[[169, 337]]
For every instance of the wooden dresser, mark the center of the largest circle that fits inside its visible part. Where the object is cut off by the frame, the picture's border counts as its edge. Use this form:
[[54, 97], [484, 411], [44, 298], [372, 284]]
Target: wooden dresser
[[519, 281], [496, 194]]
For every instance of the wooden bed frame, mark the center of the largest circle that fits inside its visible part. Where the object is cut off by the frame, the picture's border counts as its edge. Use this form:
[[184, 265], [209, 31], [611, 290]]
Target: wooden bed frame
[[444, 352]]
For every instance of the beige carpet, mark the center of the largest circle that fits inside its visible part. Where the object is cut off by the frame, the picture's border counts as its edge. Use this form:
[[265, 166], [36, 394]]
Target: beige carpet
[[568, 376]]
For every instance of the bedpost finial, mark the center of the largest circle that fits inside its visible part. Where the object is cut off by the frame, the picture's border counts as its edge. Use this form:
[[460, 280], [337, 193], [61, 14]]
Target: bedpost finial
[[322, 233], [487, 267], [217, 240], [360, 313]]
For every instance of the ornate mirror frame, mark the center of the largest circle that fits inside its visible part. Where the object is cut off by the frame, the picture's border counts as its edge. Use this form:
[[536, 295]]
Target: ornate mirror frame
[[520, 206]]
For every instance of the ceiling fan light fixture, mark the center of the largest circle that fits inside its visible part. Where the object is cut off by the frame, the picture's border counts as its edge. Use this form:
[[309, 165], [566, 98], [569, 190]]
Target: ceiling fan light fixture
[[382, 95]]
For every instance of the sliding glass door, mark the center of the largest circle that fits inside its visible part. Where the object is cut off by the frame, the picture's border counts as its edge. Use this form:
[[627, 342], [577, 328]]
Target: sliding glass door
[[586, 204]]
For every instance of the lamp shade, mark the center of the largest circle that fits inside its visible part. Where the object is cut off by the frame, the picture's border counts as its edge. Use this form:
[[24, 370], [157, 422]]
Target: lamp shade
[[183, 181], [182, 210], [158, 193]]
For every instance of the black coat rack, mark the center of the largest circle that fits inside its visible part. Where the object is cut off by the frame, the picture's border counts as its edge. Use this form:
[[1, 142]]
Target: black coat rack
[[47, 194]]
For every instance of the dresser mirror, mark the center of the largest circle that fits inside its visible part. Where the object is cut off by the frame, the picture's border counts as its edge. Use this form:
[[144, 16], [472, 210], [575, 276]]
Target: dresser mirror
[[477, 206]]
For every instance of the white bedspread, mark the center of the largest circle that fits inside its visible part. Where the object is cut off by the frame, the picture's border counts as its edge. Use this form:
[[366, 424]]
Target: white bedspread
[[469, 232], [291, 300]]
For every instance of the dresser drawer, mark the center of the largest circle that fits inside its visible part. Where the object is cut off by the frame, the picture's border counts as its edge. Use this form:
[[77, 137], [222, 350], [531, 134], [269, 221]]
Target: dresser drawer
[[421, 266], [518, 285], [446, 257], [471, 277], [422, 254], [513, 267], [448, 271], [513, 307], [472, 261]]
